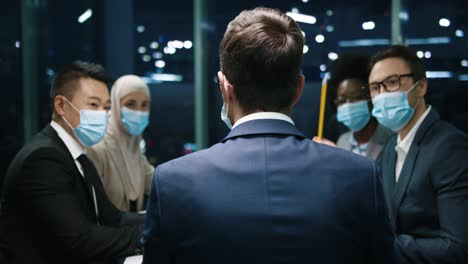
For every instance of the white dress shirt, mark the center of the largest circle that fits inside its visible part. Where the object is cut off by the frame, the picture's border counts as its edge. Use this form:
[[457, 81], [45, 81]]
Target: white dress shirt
[[402, 147], [76, 150], [73, 146], [263, 115]]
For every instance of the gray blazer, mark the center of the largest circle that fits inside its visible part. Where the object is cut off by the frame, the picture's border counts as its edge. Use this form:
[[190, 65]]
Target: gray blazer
[[376, 142]]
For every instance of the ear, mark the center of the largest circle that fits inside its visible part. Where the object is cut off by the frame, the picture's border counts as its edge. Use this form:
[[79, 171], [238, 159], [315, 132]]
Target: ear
[[221, 85], [422, 89], [225, 87], [59, 105], [299, 89]]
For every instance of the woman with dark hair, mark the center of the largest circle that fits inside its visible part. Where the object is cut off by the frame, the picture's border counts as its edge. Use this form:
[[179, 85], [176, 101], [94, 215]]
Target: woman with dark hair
[[349, 76]]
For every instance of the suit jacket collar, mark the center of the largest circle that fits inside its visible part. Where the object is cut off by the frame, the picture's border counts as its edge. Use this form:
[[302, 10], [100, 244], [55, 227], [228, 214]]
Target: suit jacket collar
[[264, 126], [73, 146], [388, 161], [430, 119], [50, 132], [410, 161]]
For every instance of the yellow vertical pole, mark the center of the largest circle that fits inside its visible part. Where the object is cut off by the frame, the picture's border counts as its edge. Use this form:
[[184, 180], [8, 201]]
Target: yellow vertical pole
[[323, 98]]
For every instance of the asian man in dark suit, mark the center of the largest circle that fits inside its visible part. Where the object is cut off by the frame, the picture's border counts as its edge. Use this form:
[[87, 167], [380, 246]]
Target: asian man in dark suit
[[53, 206], [424, 167], [265, 193]]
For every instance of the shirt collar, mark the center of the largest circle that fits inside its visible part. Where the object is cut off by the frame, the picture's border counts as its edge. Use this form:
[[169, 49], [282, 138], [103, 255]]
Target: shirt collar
[[264, 115], [405, 144], [356, 147], [72, 145]]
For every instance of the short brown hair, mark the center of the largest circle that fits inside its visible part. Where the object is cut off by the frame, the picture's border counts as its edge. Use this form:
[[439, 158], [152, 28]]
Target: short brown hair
[[404, 53], [64, 82], [261, 56]]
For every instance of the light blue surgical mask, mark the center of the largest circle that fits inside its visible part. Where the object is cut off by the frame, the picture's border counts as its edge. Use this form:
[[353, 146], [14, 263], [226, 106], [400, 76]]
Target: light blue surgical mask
[[225, 118], [134, 121], [92, 127], [392, 110], [354, 115]]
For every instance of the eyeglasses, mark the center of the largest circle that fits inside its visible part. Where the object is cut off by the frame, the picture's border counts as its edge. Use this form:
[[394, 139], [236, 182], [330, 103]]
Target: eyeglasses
[[390, 84]]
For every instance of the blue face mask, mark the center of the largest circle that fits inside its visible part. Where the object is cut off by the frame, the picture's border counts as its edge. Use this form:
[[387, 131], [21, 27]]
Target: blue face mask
[[92, 127], [134, 121], [392, 110], [354, 115], [225, 118]]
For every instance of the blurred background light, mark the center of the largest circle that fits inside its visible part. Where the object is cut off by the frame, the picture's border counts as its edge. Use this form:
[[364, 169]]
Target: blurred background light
[[444, 22], [302, 18]]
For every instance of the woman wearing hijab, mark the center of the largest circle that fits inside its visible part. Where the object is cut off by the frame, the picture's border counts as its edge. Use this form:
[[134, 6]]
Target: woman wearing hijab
[[124, 170]]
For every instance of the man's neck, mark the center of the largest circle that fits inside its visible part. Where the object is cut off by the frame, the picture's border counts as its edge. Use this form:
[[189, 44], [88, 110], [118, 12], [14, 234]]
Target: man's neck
[[64, 125], [240, 114], [419, 111], [67, 128]]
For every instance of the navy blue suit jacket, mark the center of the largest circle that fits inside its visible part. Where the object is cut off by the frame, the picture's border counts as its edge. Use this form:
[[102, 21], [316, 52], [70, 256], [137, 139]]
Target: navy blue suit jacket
[[429, 203], [267, 194]]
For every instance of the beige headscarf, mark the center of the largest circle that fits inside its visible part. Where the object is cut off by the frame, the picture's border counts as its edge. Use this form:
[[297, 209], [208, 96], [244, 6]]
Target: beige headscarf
[[128, 145]]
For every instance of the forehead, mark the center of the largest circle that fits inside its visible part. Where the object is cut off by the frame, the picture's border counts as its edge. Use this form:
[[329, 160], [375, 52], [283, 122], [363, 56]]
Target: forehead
[[388, 67], [350, 87], [91, 88], [137, 95]]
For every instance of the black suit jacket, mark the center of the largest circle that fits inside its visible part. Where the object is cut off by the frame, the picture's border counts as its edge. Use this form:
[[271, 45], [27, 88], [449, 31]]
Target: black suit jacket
[[47, 212], [429, 203]]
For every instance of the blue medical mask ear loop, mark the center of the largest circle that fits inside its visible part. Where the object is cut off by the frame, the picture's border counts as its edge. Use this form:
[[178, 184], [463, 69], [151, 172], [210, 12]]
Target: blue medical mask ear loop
[[418, 97], [73, 108]]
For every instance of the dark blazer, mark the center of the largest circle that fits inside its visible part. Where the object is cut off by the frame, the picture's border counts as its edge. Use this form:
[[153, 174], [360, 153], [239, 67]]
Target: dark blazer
[[429, 204], [47, 212], [267, 194]]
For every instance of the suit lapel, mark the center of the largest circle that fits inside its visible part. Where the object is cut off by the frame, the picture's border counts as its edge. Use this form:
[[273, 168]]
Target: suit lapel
[[388, 172], [405, 175], [50, 132], [410, 161], [373, 150]]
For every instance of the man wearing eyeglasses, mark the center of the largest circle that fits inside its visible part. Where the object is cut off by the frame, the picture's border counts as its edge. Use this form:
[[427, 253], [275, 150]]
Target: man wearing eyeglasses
[[424, 167]]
